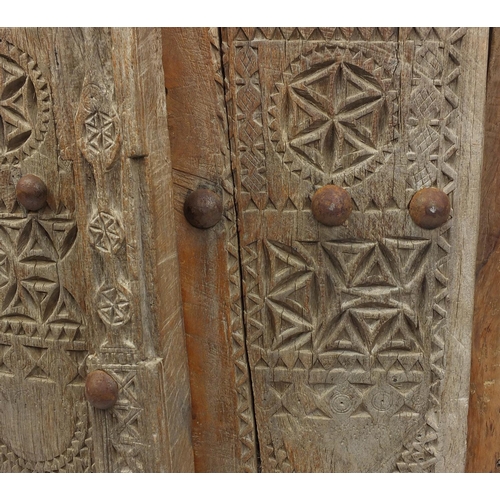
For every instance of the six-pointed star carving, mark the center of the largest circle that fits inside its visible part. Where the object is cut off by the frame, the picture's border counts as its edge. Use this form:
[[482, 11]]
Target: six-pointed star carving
[[326, 103]]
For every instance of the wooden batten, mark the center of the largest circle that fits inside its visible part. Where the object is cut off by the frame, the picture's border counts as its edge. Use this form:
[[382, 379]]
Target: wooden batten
[[222, 418], [483, 440]]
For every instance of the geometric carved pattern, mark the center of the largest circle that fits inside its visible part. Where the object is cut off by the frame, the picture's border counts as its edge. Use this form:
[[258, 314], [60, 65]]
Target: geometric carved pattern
[[106, 232], [76, 458], [24, 105], [433, 118], [246, 425], [15, 94], [365, 351], [245, 400], [37, 307], [253, 172], [113, 305], [318, 34], [124, 432], [369, 333], [334, 113], [4, 269], [98, 127], [42, 328], [98, 132], [434, 107], [125, 436]]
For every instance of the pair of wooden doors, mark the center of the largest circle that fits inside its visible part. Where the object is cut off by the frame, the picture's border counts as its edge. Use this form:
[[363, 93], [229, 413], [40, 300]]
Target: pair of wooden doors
[[268, 342]]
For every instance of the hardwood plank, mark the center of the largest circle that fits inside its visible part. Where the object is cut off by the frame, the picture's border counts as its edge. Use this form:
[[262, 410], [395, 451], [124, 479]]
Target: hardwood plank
[[483, 442], [222, 418]]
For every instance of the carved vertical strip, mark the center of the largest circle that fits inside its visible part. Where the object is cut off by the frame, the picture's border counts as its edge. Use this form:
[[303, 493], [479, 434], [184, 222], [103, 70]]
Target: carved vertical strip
[[137, 319], [99, 137], [245, 410], [466, 161], [250, 138], [436, 101]]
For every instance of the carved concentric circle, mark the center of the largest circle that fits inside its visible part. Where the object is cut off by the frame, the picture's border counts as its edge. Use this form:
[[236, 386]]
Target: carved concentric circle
[[333, 114], [24, 105], [113, 305], [382, 400], [341, 403]]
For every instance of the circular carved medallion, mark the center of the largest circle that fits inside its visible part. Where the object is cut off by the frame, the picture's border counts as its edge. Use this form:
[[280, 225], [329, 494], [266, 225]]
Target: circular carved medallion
[[341, 403], [113, 305], [106, 232], [333, 113]]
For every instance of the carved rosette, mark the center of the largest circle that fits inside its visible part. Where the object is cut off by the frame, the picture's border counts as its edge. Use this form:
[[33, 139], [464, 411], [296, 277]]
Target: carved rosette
[[106, 232], [335, 113], [113, 305], [98, 127]]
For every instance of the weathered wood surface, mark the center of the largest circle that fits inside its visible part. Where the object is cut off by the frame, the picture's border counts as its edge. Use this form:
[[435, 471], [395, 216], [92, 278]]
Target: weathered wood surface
[[91, 281], [222, 418], [483, 454], [358, 336]]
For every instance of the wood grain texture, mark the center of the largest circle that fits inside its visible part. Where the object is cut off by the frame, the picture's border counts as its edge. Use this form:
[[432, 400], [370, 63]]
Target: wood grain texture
[[222, 419], [91, 282], [483, 452], [358, 336]]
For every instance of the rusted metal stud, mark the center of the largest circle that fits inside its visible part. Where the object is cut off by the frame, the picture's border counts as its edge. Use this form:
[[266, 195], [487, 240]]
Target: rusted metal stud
[[331, 205], [430, 208], [101, 390], [203, 208], [31, 192]]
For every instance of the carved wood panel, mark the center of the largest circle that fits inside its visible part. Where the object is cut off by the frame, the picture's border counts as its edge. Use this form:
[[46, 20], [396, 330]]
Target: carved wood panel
[[88, 282], [358, 336]]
